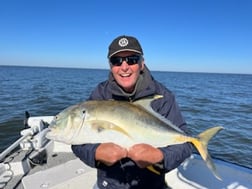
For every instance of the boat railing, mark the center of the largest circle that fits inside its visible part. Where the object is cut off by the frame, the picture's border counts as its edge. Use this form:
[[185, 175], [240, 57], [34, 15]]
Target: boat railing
[[32, 141]]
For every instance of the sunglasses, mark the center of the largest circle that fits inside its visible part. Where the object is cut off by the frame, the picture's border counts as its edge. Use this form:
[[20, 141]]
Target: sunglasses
[[131, 60]]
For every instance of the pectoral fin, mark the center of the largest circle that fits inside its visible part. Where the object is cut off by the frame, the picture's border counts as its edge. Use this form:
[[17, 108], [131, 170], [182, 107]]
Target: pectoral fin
[[101, 126]]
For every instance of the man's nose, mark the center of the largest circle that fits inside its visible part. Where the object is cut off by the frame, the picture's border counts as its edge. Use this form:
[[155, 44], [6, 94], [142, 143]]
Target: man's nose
[[124, 65]]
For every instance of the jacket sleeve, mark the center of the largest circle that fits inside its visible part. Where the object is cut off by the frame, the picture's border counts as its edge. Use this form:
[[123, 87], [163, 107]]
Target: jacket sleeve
[[86, 153], [174, 155]]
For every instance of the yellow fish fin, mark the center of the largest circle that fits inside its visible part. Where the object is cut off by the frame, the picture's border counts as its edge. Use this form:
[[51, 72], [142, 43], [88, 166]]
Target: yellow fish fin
[[152, 169], [201, 143], [146, 102], [106, 125]]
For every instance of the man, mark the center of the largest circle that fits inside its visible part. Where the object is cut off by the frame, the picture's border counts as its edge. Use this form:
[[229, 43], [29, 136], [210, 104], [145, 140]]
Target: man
[[129, 80]]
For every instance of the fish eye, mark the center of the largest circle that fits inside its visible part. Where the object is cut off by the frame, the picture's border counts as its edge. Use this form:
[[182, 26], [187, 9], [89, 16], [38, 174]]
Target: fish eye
[[83, 111]]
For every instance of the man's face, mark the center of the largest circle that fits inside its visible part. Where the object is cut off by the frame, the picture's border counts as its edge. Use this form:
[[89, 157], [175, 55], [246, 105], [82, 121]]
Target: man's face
[[126, 75]]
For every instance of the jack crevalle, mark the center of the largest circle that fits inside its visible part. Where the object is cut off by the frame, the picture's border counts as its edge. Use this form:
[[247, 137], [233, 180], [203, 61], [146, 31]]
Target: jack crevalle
[[126, 124]]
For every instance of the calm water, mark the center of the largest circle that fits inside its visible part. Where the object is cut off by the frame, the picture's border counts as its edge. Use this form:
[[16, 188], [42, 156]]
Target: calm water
[[206, 100]]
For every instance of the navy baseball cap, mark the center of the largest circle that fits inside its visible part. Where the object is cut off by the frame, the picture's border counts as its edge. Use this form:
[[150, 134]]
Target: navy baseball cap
[[124, 43]]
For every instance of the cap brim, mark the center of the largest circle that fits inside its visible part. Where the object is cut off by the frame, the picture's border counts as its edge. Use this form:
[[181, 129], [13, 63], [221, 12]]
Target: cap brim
[[122, 50]]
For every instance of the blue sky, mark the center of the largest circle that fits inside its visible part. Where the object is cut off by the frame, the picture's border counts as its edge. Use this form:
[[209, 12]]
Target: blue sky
[[176, 35]]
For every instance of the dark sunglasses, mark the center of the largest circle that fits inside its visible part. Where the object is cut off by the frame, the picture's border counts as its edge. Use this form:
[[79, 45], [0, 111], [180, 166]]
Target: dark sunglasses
[[131, 60]]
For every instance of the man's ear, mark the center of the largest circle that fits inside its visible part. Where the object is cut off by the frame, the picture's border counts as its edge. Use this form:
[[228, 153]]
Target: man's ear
[[142, 65]]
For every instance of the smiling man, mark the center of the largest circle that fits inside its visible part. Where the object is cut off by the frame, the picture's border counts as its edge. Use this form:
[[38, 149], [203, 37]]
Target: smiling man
[[126, 62], [130, 80]]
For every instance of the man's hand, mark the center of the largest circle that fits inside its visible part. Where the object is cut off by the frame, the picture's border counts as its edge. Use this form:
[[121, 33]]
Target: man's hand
[[110, 153], [144, 155]]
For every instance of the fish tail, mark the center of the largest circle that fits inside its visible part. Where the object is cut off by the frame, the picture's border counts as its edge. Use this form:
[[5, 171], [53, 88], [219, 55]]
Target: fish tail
[[201, 143]]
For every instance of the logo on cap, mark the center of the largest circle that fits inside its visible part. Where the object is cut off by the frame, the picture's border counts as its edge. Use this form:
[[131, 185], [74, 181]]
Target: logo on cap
[[123, 42]]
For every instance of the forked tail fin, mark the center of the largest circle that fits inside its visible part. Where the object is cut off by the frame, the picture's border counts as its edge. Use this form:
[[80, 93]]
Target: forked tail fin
[[201, 143]]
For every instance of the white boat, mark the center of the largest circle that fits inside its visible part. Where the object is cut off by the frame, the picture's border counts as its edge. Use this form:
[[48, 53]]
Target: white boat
[[34, 162]]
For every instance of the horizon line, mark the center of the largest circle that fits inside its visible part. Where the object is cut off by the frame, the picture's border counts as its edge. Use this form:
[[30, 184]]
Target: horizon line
[[94, 68]]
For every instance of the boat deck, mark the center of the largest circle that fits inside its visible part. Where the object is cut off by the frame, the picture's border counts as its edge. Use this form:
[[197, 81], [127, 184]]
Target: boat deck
[[63, 170]]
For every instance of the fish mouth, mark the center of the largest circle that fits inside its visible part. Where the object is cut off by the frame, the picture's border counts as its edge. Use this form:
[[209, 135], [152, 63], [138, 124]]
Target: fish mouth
[[52, 124], [59, 137], [49, 135]]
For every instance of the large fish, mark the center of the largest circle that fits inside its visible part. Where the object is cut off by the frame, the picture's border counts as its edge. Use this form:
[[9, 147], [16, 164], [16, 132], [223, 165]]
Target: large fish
[[124, 123]]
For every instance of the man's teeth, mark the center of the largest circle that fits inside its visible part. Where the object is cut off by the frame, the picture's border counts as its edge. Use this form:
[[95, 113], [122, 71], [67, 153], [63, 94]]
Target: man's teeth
[[125, 75]]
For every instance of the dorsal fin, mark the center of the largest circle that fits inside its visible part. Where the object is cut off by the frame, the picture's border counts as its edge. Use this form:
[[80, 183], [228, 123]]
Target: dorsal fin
[[146, 104]]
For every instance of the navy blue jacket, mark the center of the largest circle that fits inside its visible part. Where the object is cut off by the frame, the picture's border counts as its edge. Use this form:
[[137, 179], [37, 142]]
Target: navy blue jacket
[[125, 174]]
